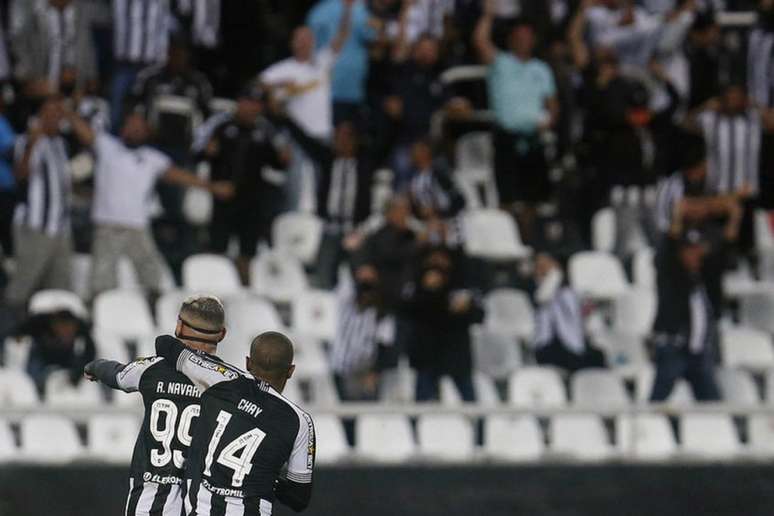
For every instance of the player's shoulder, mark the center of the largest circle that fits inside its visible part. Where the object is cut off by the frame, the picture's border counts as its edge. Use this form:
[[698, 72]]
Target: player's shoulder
[[283, 403]]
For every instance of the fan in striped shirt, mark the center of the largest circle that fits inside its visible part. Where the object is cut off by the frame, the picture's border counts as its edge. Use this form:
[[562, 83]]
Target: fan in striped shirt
[[172, 409]]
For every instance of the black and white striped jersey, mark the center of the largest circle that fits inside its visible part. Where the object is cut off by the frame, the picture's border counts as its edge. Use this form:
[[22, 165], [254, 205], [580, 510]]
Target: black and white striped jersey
[[171, 408], [45, 193], [760, 67], [734, 143], [250, 446], [141, 31]]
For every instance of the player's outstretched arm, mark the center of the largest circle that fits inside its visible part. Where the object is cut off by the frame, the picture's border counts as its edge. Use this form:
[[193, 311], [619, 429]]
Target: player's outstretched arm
[[200, 368], [105, 371], [124, 377]]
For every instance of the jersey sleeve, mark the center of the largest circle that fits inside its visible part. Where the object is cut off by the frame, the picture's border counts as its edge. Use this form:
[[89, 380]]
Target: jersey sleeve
[[128, 379], [200, 368], [301, 461]]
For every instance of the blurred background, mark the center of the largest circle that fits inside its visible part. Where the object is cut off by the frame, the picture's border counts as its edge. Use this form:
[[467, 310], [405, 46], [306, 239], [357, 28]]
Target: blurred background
[[524, 248]]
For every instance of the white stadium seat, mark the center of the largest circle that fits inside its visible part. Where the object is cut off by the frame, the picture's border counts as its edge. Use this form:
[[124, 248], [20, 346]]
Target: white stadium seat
[[597, 275], [211, 273], [625, 353], [245, 319], [7, 444], [747, 348], [311, 359], [709, 436], [112, 438], [536, 387], [514, 439], [16, 352], [495, 354], [50, 439], [645, 437], [757, 311], [298, 234], [167, 310], [17, 389], [761, 435], [635, 311], [61, 393], [398, 385], [603, 228], [445, 437], [580, 436], [509, 312], [492, 234], [384, 438], [323, 390], [293, 392], [643, 270], [331, 440], [50, 301], [475, 150], [277, 276], [124, 313], [737, 386], [598, 387], [314, 314]]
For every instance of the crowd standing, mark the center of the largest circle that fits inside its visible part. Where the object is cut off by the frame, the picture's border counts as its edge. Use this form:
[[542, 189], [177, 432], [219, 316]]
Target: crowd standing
[[649, 107]]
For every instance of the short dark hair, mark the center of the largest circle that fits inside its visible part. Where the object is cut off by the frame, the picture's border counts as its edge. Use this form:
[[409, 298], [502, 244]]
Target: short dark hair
[[271, 353], [205, 311]]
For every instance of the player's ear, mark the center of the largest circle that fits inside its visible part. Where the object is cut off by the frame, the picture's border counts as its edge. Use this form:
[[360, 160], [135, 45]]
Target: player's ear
[[222, 334], [178, 328], [247, 364], [291, 371]]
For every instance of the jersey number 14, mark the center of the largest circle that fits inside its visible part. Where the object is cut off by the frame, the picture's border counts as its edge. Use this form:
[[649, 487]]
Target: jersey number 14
[[230, 456]]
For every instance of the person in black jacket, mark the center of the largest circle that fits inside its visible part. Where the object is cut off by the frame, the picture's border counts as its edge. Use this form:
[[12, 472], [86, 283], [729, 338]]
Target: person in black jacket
[[245, 149], [60, 340], [344, 179], [441, 313], [689, 268]]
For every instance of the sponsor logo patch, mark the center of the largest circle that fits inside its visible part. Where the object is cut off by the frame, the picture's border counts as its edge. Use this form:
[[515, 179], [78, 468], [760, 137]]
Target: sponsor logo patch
[[212, 366]]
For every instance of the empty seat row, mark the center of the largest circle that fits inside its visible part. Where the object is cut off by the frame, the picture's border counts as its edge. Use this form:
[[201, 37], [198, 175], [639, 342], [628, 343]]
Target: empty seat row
[[55, 439], [645, 437]]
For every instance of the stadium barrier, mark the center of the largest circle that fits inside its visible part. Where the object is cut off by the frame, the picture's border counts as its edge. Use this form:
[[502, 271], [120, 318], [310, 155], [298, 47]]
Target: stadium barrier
[[544, 490]]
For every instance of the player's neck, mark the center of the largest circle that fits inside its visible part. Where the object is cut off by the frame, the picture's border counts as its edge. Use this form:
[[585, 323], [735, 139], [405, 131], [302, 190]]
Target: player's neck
[[210, 349], [278, 386]]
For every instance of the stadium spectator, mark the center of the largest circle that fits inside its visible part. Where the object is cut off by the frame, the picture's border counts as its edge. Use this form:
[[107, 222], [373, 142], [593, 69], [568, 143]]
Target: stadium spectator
[[427, 18], [8, 186], [417, 88], [440, 310], [175, 77], [126, 173], [522, 95], [351, 69], [344, 200], [560, 335], [760, 56], [244, 149], [703, 50], [140, 39], [54, 47], [364, 343], [303, 82], [42, 236], [60, 340], [434, 197], [688, 277]]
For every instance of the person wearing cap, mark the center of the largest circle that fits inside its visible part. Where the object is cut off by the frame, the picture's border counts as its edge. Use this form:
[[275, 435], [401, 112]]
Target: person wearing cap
[[245, 150], [689, 266], [126, 173], [61, 339]]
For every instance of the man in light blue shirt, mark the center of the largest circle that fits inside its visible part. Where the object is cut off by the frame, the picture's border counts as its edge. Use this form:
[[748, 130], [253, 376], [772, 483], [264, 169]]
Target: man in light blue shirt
[[351, 69], [522, 95]]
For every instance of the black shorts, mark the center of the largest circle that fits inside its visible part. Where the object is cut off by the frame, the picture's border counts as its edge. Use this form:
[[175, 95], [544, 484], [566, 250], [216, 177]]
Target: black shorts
[[248, 224], [521, 168]]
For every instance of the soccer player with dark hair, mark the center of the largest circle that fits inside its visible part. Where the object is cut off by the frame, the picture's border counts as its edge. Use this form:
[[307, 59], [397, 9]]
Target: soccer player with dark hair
[[171, 406], [251, 445]]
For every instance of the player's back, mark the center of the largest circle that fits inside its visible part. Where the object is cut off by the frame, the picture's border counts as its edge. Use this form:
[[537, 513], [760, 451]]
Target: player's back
[[171, 403], [246, 433]]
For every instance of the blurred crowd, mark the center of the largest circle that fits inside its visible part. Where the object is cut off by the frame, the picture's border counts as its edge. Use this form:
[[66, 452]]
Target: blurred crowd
[[651, 107]]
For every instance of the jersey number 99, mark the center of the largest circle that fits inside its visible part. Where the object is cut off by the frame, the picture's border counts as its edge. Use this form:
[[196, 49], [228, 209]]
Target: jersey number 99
[[166, 432]]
